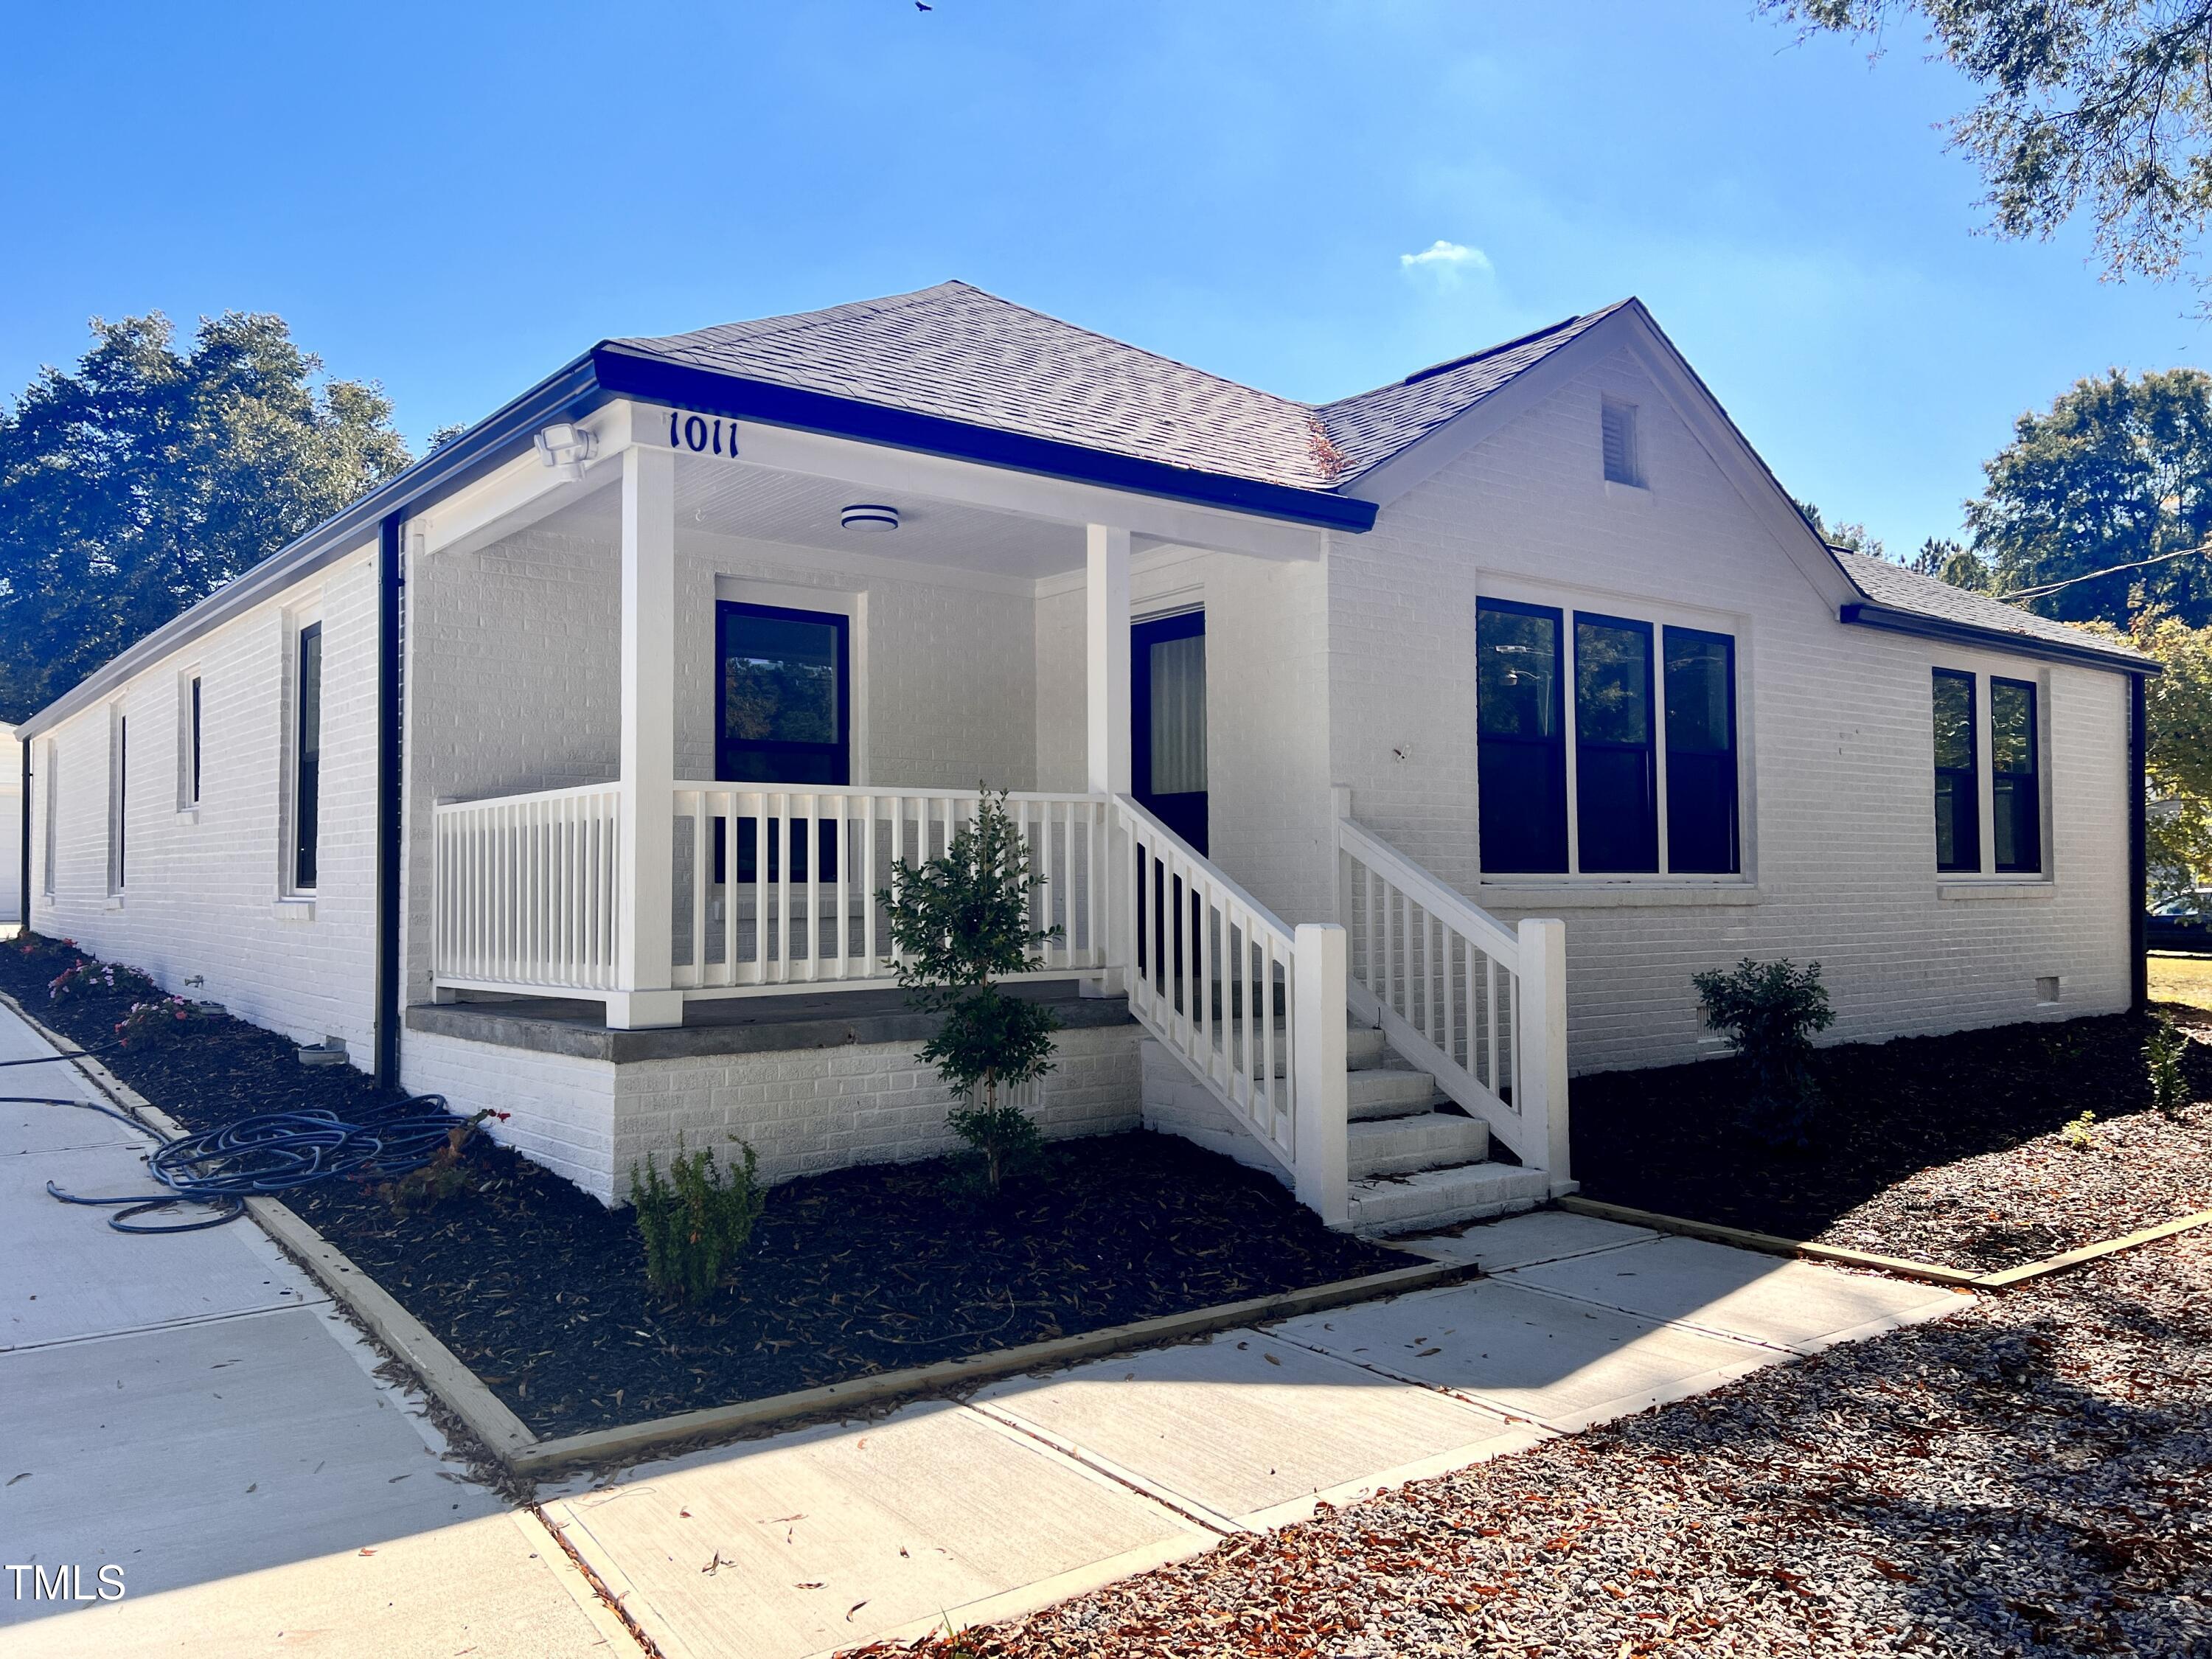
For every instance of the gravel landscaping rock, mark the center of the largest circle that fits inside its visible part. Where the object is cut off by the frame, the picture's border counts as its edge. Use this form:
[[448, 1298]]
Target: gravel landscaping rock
[[2031, 1478]]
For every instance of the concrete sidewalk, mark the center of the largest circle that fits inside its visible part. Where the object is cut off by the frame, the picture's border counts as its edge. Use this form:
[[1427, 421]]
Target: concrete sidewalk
[[192, 1411], [1040, 1488]]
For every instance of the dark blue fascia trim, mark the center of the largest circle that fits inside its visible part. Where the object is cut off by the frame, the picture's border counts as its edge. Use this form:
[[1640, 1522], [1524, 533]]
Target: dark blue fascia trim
[[630, 373], [2019, 645]]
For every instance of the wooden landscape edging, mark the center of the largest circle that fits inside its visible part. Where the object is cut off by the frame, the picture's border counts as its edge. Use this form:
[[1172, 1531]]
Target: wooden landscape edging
[[1957, 1277], [520, 1451]]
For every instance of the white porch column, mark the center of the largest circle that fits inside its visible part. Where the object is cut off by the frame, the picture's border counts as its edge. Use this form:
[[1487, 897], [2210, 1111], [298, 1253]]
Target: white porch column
[[645, 950], [1540, 1045], [1107, 655], [1318, 1042]]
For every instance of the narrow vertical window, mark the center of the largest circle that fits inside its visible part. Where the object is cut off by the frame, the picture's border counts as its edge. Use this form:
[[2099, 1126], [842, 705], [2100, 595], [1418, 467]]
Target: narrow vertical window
[[1617, 422], [192, 751], [307, 758], [118, 775], [2016, 801], [1958, 796], [1521, 737], [188, 742], [53, 815], [1702, 838], [1616, 786]]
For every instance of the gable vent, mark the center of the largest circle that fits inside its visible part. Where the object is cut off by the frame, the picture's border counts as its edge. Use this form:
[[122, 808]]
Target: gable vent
[[1622, 464]]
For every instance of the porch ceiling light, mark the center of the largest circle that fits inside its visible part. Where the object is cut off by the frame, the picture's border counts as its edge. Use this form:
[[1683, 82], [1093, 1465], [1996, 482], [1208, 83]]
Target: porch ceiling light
[[565, 446], [871, 516]]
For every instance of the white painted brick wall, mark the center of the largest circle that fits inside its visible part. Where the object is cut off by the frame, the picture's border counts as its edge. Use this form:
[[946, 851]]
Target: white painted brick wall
[[804, 1110], [203, 889], [1841, 826]]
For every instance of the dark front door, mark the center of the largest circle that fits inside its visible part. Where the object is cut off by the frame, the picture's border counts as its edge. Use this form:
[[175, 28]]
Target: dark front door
[[1167, 706], [783, 715]]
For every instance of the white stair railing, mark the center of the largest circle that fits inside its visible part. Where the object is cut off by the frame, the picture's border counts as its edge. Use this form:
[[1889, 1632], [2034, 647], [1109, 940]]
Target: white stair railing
[[1479, 1006], [777, 886], [1252, 1006]]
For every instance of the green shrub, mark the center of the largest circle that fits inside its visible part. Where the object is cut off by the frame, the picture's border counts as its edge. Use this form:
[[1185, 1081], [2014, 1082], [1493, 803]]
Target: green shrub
[[697, 1223], [1768, 1011], [2079, 1134], [2164, 1050], [85, 976], [149, 1024], [959, 922]]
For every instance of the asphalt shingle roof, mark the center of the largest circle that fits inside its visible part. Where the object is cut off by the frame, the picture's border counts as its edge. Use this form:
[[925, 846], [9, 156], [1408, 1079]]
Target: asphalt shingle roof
[[958, 353], [1894, 586]]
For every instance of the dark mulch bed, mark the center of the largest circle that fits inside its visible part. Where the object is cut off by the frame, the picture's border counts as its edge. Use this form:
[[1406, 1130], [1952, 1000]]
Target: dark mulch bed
[[1941, 1149], [541, 1290]]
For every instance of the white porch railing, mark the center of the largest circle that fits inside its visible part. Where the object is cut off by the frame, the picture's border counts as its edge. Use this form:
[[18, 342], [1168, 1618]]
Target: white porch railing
[[1480, 1006], [526, 889], [777, 886]]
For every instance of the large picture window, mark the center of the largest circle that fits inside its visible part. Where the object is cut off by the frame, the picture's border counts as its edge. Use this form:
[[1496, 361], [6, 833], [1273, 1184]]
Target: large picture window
[[1520, 742], [2015, 802], [1701, 781], [1958, 782], [1644, 694]]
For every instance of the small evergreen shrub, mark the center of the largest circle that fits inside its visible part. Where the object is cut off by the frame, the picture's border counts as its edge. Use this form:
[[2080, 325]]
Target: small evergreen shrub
[[1768, 1011], [2164, 1050], [2079, 1134], [960, 923], [697, 1223]]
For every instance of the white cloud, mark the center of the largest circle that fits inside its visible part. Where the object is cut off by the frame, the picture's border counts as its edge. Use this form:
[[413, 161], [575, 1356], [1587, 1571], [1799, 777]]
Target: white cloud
[[1447, 261]]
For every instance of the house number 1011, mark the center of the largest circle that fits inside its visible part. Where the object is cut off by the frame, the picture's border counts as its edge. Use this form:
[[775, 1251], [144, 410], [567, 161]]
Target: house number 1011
[[701, 434]]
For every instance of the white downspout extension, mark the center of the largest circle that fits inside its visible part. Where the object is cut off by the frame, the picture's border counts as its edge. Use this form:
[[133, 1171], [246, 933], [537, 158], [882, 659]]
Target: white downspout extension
[[645, 947]]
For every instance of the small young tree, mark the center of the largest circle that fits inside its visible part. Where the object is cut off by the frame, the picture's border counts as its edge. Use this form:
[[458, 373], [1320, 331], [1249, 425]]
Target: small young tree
[[1768, 1011], [960, 923]]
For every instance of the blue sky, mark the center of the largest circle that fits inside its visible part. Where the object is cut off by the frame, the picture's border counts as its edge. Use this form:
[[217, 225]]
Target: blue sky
[[460, 198]]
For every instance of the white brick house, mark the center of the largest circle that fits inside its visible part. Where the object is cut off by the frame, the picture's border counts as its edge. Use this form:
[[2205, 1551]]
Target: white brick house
[[556, 774]]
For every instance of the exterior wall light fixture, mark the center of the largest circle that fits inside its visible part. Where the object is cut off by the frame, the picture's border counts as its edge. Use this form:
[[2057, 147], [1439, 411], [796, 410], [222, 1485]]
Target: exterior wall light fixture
[[565, 446]]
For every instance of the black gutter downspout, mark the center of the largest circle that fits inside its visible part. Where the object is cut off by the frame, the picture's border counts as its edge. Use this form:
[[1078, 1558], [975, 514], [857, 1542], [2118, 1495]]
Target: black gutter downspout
[[26, 871], [390, 972], [2138, 842]]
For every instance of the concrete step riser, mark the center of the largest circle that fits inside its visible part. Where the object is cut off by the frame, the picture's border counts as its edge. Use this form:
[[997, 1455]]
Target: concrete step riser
[[1434, 1140]]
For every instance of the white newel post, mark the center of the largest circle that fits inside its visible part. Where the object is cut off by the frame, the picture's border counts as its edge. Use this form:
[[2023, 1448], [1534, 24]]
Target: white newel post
[[1106, 658], [1317, 1071], [645, 947], [1540, 1044]]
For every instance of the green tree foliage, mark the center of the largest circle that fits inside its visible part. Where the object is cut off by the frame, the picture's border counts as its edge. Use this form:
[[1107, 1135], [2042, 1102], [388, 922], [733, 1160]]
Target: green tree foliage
[[139, 484], [1855, 537], [2118, 473], [961, 922], [2102, 107], [2177, 704]]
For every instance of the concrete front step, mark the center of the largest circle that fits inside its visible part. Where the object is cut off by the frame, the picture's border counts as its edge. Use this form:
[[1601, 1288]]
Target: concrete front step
[[1379, 1094], [1401, 1145], [1436, 1198]]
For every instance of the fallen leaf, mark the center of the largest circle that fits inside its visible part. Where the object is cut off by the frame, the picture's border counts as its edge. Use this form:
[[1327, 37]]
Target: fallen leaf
[[855, 1609]]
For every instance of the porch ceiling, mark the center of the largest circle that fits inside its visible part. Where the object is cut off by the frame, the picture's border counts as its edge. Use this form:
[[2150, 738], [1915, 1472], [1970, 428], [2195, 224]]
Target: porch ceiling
[[727, 498]]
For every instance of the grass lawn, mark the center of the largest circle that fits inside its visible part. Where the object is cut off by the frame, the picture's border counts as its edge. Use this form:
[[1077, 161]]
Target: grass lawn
[[2181, 979]]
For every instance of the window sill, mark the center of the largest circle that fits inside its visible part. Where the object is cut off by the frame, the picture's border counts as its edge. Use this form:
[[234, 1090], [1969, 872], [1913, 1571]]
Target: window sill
[[188, 814], [294, 909], [1614, 896], [1985, 888], [1616, 490], [114, 902]]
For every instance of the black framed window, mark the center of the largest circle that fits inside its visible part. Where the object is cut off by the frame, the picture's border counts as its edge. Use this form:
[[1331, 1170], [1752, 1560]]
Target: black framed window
[[784, 695], [1616, 786], [1958, 790], [307, 759], [118, 805], [1521, 737], [1702, 838], [193, 757], [2015, 798]]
